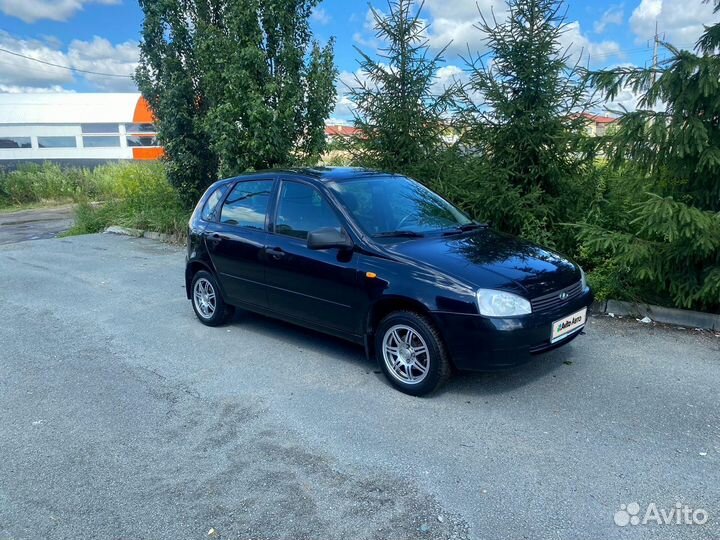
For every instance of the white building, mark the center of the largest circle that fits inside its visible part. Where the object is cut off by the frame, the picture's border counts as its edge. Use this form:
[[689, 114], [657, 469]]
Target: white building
[[75, 128]]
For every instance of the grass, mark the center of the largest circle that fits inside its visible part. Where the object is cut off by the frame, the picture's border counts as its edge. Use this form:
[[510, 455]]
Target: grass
[[136, 195], [46, 185]]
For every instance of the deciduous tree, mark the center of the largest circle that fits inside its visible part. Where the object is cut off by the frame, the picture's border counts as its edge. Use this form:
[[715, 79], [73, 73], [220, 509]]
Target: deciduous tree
[[235, 84]]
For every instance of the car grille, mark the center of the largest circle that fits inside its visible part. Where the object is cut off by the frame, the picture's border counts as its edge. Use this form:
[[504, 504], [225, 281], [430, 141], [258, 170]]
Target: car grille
[[552, 301]]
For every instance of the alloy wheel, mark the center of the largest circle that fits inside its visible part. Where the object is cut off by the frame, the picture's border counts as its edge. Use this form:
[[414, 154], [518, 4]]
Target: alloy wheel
[[406, 354], [204, 298]]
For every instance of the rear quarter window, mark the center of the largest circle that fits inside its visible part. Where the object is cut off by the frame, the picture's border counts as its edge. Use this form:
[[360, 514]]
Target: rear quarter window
[[209, 211], [246, 205]]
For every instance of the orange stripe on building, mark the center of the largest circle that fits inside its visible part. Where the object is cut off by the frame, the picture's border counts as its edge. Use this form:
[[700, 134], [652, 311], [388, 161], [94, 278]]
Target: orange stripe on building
[[144, 115], [147, 154]]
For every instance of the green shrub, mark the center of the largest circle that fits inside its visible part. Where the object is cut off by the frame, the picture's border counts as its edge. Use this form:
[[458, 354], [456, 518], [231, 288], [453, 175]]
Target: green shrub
[[92, 219], [138, 195], [129, 194], [34, 183]]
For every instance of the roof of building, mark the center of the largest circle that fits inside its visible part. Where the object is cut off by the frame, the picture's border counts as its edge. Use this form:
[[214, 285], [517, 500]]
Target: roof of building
[[599, 119], [68, 108], [340, 131]]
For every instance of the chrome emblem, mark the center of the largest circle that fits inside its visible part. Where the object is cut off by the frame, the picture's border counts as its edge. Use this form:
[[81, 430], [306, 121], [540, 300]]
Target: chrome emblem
[[563, 296]]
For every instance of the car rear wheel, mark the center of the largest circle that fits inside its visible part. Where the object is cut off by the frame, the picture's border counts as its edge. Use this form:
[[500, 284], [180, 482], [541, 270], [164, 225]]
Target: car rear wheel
[[411, 353], [208, 303]]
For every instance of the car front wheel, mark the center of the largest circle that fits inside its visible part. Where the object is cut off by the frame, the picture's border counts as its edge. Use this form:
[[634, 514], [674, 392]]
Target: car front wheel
[[411, 353], [208, 303]]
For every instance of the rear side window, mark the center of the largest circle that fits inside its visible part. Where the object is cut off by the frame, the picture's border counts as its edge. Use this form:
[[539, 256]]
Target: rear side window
[[246, 205], [209, 212]]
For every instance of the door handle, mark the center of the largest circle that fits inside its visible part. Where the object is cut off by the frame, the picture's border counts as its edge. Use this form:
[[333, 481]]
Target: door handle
[[216, 238], [276, 253]]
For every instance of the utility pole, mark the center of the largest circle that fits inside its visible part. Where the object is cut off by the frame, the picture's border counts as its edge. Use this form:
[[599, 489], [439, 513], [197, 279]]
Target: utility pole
[[656, 45]]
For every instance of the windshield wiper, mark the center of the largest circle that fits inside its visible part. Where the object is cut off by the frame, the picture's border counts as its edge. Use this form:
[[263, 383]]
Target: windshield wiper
[[390, 234], [466, 227]]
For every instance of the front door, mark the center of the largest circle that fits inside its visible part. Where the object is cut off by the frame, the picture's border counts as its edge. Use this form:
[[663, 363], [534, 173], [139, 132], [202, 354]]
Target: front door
[[319, 287], [236, 242]]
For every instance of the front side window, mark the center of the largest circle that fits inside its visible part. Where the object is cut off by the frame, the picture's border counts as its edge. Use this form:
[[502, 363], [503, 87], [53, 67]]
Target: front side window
[[385, 205], [246, 205], [302, 209], [57, 142], [209, 212], [15, 142]]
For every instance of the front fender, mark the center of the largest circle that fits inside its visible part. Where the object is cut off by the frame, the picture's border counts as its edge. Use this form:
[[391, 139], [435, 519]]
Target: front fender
[[434, 290]]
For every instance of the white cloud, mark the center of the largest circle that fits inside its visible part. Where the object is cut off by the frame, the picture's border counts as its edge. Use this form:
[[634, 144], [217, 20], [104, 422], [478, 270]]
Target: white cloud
[[680, 20], [98, 55], [17, 71], [447, 76], [626, 99], [580, 47], [344, 107], [613, 15], [454, 24], [31, 11], [366, 37], [13, 89], [102, 56], [320, 16]]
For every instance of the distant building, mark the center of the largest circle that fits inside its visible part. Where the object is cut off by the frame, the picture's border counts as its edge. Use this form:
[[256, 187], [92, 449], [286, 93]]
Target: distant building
[[81, 129], [597, 125], [335, 132]]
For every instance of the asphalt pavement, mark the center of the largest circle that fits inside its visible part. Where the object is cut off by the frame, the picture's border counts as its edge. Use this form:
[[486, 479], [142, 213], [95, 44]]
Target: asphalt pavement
[[35, 224], [121, 416]]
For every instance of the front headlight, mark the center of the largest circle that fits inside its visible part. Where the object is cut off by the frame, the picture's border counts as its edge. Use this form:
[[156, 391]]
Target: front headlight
[[493, 303], [583, 279]]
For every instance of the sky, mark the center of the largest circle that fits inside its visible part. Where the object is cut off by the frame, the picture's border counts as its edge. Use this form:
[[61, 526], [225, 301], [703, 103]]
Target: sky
[[102, 36]]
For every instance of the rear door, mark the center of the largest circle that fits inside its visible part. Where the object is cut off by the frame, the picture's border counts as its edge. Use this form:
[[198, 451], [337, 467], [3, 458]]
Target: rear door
[[237, 239], [319, 287]]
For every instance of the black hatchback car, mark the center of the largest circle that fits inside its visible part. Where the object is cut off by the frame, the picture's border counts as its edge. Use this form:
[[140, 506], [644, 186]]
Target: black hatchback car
[[382, 261]]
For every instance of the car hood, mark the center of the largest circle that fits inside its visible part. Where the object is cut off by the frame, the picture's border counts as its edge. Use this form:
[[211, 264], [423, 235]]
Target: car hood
[[490, 259]]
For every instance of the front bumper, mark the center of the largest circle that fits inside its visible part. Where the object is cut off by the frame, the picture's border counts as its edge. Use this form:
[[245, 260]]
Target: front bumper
[[480, 343]]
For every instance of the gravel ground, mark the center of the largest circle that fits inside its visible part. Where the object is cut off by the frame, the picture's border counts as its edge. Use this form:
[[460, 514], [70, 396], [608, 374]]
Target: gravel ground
[[121, 416]]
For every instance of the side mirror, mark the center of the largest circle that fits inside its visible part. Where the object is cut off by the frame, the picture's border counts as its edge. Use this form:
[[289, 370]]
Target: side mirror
[[329, 237]]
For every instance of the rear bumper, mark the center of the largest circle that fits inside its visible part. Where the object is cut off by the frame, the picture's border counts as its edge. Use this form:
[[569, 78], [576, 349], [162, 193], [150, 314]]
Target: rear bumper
[[480, 343]]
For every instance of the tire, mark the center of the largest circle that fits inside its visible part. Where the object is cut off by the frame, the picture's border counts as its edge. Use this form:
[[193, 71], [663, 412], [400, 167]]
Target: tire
[[207, 301], [419, 368]]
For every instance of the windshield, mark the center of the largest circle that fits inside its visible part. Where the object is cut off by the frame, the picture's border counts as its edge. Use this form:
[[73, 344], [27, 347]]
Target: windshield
[[395, 204]]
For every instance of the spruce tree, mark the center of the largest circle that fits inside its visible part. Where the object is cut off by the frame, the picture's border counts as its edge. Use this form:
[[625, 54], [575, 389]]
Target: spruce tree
[[400, 114], [670, 243], [523, 115]]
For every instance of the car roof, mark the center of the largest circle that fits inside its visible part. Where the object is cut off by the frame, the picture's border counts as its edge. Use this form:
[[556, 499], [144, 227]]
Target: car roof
[[321, 174]]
